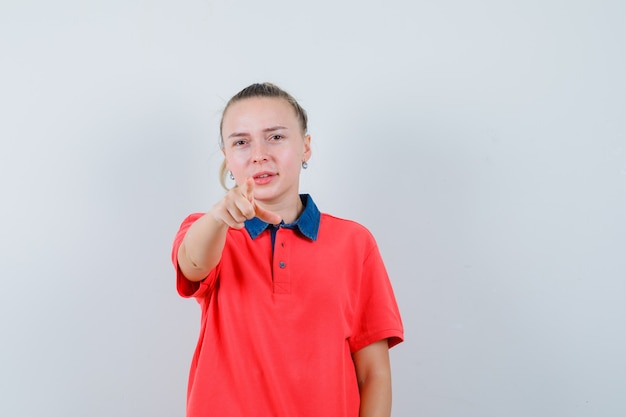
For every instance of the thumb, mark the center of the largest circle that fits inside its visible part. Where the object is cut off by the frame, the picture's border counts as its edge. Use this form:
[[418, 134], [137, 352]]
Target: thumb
[[266, 215]]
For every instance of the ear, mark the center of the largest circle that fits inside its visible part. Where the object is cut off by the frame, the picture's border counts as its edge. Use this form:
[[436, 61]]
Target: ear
[[307, 148]]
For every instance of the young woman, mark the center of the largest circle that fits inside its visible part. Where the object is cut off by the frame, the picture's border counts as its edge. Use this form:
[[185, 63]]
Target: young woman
[[298, 313]]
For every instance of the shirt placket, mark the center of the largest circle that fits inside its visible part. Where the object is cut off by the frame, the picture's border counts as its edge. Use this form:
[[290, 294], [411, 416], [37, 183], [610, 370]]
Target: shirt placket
[[281, 265]]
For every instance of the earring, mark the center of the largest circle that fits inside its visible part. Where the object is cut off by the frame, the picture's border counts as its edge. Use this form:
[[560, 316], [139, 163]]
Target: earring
[[232, 177], [304, 165]]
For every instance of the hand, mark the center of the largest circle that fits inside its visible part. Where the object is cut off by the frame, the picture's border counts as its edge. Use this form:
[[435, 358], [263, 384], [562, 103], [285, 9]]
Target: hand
[[239, 205]]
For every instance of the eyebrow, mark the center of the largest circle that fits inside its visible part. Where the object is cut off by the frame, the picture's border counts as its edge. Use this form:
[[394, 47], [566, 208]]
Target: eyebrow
[[266, 130]]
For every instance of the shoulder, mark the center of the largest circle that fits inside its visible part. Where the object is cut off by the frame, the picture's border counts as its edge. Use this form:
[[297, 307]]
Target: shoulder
[[184, 226], [334, 225], [193, 217], [342, 223], [190, 219]]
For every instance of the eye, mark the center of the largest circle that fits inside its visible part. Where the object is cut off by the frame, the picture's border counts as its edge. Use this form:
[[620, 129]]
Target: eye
[[240, 142], [276, 137]]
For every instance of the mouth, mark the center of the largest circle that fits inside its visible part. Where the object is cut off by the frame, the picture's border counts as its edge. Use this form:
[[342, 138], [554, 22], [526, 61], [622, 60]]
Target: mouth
[[264, 174], [261, 178]]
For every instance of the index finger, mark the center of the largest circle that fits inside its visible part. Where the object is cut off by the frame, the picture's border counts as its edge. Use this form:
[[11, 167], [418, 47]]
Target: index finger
[[248, 189]]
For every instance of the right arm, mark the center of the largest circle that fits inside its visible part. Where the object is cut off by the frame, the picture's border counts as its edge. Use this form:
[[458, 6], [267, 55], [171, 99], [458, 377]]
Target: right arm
[[201, 248]]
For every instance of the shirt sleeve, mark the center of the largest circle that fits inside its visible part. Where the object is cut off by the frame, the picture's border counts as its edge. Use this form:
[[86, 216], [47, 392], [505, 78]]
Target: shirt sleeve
[[185, 287], [377, 315]]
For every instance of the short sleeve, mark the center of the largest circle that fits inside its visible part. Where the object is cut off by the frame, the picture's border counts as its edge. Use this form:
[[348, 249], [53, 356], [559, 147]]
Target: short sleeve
[[377, 315], [185, 287]]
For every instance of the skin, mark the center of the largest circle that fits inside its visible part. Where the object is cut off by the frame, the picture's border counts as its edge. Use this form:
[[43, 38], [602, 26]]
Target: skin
[[373, 372], [264, 147]]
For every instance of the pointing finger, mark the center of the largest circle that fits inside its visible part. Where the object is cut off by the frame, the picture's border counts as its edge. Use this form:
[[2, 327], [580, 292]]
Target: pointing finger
[[248, 189], [263, 214]]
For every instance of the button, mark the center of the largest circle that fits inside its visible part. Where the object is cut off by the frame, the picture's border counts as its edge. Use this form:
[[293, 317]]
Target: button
[[281, 264]]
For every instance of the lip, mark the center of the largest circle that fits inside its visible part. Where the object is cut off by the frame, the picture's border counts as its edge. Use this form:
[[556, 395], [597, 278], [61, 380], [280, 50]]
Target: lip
[[263, 177]]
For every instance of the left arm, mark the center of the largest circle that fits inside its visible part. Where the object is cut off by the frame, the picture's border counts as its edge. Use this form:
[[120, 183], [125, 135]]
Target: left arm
[[373, 372]]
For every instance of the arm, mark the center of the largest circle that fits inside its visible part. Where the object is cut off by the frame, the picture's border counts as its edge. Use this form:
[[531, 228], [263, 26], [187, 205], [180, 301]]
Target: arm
[[373, 372], [201, 249]]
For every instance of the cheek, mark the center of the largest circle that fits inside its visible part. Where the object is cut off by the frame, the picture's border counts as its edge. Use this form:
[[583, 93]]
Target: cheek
[[234, 161]]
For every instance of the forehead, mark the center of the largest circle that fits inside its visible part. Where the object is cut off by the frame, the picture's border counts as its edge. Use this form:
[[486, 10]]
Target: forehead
[[259, 113]]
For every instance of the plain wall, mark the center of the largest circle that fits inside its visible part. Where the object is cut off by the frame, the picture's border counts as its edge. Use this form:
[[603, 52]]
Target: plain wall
[[483, 143]]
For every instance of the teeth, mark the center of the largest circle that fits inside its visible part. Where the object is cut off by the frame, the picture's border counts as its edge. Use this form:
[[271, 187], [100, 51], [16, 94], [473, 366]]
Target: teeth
[[263, 176]]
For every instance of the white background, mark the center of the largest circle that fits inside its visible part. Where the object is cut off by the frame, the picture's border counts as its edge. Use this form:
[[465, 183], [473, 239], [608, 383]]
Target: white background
[[482, 142]]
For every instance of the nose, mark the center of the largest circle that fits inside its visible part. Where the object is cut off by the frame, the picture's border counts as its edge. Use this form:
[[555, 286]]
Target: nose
[[259, 152]]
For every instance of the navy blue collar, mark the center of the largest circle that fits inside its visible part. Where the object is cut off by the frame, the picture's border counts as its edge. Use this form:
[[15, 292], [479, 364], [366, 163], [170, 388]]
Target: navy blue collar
[[308, 223]]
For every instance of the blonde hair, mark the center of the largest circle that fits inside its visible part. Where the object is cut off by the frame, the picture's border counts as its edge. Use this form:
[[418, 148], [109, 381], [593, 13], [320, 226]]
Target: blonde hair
[[260, 90]]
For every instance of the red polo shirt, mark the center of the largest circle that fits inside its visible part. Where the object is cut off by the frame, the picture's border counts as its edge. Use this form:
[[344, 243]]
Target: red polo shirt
[[278, 327]]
